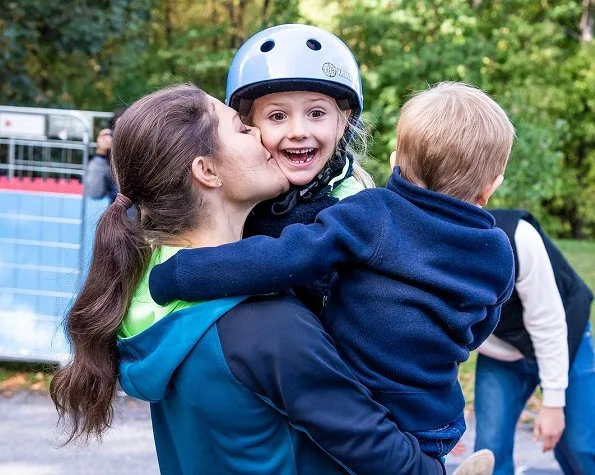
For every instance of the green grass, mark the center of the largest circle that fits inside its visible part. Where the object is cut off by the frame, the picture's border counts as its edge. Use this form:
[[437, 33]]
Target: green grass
[[581, 255], [30, 376]]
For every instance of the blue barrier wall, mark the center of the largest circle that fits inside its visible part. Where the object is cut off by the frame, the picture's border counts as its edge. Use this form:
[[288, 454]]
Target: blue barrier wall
[[42, 258]]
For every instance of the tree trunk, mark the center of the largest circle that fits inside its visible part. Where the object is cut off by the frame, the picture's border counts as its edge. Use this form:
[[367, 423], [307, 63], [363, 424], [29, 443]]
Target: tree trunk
[[586, 23], [169, 34]]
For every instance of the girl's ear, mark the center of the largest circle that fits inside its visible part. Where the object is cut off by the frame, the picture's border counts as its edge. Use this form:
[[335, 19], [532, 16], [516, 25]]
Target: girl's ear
[[203, 171], [344, 122]]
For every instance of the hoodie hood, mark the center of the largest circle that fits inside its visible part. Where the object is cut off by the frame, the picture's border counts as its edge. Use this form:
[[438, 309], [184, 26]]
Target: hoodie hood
[[149, 359]]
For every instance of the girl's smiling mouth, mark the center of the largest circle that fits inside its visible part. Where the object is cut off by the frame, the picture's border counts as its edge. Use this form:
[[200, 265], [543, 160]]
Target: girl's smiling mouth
[[299, 156]]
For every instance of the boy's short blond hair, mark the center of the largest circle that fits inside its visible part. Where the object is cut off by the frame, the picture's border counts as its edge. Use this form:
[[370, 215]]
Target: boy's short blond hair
[[453, 139]]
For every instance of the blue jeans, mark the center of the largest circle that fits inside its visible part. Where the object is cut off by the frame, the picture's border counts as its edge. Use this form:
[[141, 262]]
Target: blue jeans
[[501, 392], [439, 442]]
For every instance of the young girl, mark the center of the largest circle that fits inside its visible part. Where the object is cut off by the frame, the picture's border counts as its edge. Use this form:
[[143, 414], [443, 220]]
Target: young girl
[[301, 86]]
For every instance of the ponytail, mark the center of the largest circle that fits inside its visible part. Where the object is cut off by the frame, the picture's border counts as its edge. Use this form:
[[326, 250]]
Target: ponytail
[[83, 390], [155, 142]]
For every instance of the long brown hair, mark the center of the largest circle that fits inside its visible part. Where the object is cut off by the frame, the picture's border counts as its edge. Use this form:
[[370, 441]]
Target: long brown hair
[[154, 144]]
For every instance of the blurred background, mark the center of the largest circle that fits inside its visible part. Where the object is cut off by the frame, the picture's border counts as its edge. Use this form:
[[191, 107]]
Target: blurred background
[[537, 59], [74, 63]]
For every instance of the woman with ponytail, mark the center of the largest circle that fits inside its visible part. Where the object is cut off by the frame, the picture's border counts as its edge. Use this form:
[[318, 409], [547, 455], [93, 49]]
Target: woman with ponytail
[[236, 385]]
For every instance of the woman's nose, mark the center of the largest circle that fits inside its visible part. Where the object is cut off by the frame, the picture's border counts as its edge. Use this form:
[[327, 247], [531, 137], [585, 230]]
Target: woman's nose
[[256, 132]]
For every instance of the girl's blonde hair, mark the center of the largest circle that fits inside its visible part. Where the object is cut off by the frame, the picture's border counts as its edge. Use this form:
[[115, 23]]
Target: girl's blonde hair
[[358, 148]]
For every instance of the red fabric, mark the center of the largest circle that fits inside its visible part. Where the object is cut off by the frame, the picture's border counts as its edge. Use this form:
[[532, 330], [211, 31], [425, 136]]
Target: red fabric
[[51, 185]]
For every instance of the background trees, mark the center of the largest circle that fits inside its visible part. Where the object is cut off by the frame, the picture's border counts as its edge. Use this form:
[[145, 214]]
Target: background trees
[[536, 58]]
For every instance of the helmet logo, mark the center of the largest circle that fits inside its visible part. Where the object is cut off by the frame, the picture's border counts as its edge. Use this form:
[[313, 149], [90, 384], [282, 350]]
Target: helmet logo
[[331, 71]]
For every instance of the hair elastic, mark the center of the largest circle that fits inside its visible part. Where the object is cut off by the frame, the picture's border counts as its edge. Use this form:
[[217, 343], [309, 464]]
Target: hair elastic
[[123, 201]]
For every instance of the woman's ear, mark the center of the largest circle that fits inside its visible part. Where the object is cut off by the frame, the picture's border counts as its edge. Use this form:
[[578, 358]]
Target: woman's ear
[[203, 171]]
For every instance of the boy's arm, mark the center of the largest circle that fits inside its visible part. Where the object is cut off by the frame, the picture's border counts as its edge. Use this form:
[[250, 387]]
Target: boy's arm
[[302, 254]]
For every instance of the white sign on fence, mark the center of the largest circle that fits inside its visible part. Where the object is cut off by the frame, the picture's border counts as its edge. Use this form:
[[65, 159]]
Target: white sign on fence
[[22, 125]]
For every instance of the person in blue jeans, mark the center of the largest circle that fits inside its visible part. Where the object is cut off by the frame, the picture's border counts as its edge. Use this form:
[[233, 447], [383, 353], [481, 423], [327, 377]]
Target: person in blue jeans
[[422, 271], [543, 338]]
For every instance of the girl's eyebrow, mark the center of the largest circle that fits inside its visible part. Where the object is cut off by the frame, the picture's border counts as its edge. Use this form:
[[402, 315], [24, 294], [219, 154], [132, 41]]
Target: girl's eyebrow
[[282, 104], [273, 104]]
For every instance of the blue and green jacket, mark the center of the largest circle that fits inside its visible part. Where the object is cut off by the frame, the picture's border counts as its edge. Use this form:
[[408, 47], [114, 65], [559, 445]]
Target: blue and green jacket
[[254, 385]]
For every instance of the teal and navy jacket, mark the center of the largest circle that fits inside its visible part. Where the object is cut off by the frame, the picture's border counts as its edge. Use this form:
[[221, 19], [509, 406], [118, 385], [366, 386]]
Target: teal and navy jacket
[[255, 385], [421, 279]]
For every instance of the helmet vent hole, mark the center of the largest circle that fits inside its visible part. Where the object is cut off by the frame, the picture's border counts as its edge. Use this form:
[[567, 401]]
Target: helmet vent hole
[[267, 46], [313, 45]]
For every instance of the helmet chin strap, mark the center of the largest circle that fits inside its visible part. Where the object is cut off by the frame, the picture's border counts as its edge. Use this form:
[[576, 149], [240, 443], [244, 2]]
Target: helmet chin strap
[[335, 170]]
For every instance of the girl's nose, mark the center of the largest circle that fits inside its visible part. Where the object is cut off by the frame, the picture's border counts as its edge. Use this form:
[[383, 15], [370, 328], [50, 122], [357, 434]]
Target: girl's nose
[[297, 130]]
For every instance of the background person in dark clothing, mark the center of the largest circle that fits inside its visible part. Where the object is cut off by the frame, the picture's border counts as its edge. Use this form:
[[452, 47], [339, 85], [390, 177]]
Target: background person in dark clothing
[[544, 337], [98, 180]]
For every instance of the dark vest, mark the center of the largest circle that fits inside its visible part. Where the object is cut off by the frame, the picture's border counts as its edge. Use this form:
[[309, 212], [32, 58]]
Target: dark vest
[[576, 295]]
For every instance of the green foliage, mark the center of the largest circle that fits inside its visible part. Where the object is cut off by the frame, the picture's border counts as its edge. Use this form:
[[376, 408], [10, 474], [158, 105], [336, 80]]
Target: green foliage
[[530, 56], [527, 55], [52, 52]]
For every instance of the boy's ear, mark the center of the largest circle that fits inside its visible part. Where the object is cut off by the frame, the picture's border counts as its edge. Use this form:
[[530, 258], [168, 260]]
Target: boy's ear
[[203, 171], [393, 159], [488, 190]]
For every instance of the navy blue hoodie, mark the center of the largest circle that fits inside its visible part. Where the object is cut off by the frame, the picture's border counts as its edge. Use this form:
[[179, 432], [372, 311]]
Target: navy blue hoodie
[[421, 279]]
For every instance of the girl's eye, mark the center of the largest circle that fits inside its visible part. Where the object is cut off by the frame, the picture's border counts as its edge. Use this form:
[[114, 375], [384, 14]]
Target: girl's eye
[[277, 116], [316, 114]]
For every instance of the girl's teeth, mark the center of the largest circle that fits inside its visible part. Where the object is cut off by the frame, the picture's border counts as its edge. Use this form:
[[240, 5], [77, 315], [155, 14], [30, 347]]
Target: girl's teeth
[[299, 156]]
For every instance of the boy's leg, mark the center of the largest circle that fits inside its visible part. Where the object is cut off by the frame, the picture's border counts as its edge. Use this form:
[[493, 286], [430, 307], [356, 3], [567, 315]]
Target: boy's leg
[[576, 450], [501, 392], [439, 442]]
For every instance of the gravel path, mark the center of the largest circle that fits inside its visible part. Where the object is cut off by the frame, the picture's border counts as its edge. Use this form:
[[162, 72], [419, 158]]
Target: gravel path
[[29, 439]]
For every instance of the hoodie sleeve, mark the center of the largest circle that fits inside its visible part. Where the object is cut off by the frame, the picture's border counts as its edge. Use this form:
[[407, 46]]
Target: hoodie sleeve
[[279, 350], [302, 254], [504, 273]]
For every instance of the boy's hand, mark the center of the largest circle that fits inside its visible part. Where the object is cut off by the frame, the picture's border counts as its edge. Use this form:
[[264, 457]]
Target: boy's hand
[[549, 426]]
